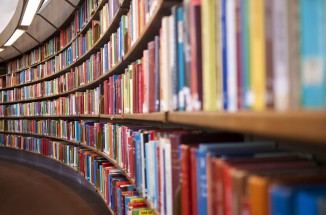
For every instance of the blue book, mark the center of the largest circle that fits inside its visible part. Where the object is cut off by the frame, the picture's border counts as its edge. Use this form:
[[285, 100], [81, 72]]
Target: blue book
[[245, 56], [155, 194], [180, 78], [224, 54], [147, 148], [282, 198], [128, 187], [138, 161], [222, 149], [306, 202], [88, 165], [127, 200], [313, 57], [111, 177]]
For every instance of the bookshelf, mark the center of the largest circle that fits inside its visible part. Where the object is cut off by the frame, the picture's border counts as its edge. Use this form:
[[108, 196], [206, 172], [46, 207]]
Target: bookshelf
[[301, 125], [104, 155]]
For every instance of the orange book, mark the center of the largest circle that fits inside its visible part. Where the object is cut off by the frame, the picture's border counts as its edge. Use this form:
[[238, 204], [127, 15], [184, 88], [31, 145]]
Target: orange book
[[258, 188]]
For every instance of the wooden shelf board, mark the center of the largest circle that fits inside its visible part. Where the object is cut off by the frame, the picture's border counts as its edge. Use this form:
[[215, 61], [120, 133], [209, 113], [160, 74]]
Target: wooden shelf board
[[158, 117], [111, 117], [300, 126], [101, 41]]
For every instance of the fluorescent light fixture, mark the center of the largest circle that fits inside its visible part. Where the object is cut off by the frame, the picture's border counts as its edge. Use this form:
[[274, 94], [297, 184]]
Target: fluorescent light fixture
[[30, 11], [14, 37], [1, 49]]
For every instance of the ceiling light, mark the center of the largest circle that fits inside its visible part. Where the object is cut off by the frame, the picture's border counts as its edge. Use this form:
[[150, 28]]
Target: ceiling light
[[1, 49], [14, 37], [30, 11]]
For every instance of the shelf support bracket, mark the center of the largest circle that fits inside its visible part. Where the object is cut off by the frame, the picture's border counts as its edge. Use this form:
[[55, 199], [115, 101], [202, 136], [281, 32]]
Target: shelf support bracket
[[32, 37], [17, 49], [48, 21], [71, 4]]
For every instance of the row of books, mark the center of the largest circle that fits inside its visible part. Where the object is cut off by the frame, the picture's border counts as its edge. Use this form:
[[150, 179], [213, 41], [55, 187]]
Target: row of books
[[111, 54], [88, 103], [119, 194], [45, 51], [120, 41], [252, 54], [220, 172], [35, 56], [31, 74], [89, 70], [53, 46], [81, 18], [183, 80], [23, 93], [107, 14]]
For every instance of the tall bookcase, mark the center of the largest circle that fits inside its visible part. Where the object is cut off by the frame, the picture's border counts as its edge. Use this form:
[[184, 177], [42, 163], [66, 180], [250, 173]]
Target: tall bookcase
[[32, 102]]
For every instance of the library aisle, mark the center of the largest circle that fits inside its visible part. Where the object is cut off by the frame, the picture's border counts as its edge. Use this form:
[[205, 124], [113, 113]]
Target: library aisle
[[25, 190]]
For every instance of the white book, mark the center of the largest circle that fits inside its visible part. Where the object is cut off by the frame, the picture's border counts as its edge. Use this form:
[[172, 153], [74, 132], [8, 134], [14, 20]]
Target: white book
[[168, 176], [281, 84], [162, 202], [171, 102], [164, 65], [231, 55], [146, 81]]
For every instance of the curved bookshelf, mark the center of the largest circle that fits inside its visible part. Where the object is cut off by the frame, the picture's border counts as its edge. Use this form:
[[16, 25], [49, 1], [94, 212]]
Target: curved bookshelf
[[70, 167], [133, 53], [101, 41], [302, 126], [106, 156], [64, 24]]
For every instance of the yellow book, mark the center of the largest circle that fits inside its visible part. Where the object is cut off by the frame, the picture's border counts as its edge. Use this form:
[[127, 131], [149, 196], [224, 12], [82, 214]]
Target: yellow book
[[145, 212], [257, 58], [136, 200], [209, 58]]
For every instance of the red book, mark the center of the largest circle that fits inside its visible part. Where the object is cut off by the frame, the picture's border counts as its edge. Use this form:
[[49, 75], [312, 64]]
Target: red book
[[131, 155], [117, 186], [134, 85], [105, 92], [185, 180], [111, 95], [193, 167], [140, 87], [119, 95], [196, 51], [91, 135], [269, 53]]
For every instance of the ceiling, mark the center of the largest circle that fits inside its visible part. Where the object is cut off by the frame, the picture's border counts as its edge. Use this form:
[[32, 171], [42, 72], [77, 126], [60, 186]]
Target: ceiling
[[7, 10], [50, 17]]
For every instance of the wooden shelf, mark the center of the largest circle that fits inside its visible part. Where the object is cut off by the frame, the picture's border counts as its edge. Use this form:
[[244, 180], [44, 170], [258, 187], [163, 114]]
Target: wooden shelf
[[302, 126], [83, 30], [111, 117], [299, 126], [158, 117], [96, 47], [133, 53]]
